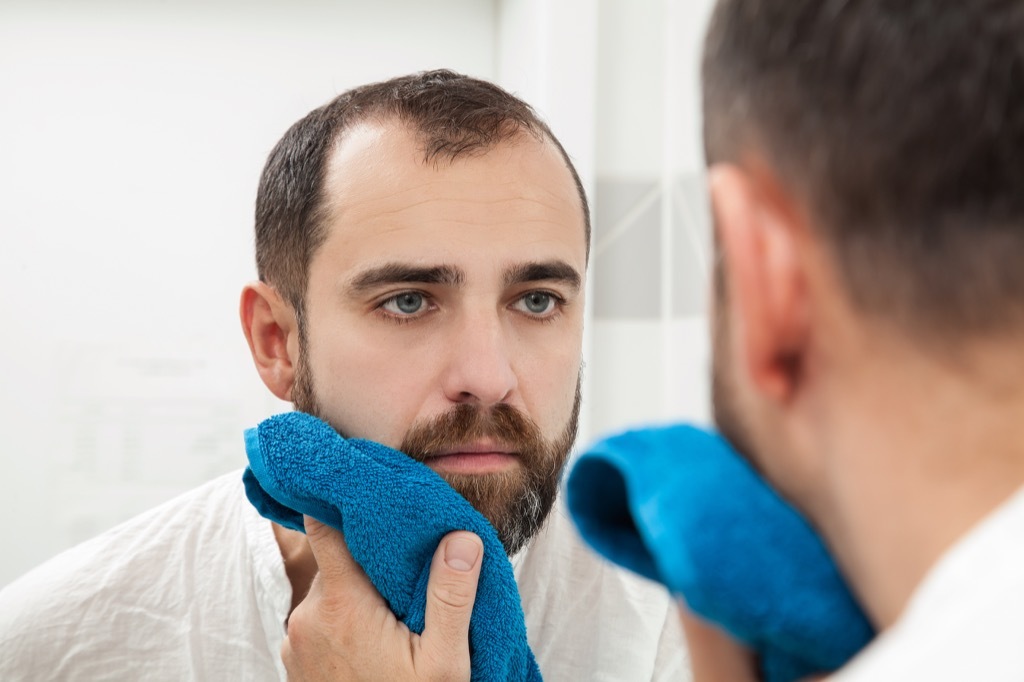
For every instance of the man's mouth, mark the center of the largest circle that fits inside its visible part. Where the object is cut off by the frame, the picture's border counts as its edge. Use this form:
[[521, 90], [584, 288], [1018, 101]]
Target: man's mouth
[[473, 458]]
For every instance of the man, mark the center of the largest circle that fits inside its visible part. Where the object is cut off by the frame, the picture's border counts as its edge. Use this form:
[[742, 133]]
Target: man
[[866, 172], [866, 167], [422, 248]]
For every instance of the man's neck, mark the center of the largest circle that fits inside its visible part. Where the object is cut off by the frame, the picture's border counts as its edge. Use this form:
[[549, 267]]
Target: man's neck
[[918, 453]]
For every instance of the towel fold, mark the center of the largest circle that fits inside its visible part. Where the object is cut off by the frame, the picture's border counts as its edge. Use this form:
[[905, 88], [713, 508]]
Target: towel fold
[[678, 505], [393, 512]]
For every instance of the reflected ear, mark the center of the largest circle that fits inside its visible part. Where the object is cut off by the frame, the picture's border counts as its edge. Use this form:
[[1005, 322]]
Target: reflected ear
[[764, 276], [272, 331]]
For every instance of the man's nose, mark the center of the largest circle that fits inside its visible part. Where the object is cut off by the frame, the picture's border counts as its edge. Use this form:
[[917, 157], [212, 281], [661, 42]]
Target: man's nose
[[480, 368]]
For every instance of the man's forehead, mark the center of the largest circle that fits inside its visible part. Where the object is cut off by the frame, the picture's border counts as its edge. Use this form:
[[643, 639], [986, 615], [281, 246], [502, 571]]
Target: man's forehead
[[378, 182], [384, 162]]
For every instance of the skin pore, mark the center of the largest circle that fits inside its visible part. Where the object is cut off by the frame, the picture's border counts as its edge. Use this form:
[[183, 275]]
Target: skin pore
[[894, 442], [440, 284]]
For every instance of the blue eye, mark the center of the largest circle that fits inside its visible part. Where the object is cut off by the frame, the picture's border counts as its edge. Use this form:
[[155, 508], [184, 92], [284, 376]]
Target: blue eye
[[538, 302], [407, 303]]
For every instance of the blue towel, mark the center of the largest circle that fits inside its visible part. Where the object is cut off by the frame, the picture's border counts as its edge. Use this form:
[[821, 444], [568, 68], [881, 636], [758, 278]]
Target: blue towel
[[678, 505], [393, 512]]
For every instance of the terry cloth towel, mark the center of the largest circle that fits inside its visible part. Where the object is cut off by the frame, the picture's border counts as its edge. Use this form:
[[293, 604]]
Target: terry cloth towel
[[393, 512], [678, 505]]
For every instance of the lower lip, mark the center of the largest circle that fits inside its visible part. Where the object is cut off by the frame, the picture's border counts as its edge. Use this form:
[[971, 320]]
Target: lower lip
[[471, 463]]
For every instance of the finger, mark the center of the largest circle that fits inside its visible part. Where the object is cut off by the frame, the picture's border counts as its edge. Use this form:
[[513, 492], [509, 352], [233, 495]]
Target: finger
[[451, 593], [341, 607], [334, 561], [340, 582]]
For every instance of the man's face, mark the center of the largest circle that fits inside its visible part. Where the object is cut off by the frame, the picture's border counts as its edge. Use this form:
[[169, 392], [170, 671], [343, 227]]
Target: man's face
[[444, 315]]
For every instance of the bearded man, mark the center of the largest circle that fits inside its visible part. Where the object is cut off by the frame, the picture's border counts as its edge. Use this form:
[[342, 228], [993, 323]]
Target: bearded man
[[421, 246]]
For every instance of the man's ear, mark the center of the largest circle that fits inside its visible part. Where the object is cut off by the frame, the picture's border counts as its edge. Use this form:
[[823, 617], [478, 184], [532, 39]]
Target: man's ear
[[272, 331], [760, 234]]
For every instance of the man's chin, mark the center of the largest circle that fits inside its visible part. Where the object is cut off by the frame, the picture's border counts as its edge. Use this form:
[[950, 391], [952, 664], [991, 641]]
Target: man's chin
[[492, 494], [516, 510]]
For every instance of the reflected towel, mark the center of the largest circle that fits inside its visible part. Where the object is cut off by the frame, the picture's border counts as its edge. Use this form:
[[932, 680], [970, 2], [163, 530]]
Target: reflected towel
[[393, 512], [678, 505]]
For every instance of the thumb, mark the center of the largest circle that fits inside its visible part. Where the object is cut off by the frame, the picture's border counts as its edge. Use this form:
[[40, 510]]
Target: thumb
[[451, 593]]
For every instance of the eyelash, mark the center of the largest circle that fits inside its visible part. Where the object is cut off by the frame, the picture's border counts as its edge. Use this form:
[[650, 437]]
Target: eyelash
[[402, 319], [559, 301]]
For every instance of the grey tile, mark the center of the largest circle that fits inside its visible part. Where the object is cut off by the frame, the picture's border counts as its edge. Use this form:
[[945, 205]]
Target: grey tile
[[691, 247], [613, 199], [627, 270], [627, 249]]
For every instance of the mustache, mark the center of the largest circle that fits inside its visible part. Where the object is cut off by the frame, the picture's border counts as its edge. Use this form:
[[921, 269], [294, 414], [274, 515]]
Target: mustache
[[464, 423]]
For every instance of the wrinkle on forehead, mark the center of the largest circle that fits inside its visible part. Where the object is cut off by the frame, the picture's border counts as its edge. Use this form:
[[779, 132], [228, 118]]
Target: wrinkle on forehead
[[383, 205]]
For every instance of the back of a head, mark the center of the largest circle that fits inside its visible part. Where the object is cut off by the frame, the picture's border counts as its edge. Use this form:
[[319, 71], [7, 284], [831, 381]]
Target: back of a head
[[899, 125]]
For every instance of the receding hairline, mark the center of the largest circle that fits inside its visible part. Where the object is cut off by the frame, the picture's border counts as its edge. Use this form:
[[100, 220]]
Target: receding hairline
[[386, 124], [384, 127]]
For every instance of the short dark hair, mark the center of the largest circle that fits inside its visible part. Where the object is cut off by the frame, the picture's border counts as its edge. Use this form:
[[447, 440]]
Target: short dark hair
[[899, 125], [453, 115]]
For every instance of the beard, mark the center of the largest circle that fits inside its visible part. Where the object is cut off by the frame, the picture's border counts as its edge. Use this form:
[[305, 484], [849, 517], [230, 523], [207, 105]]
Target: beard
[[517, 502]]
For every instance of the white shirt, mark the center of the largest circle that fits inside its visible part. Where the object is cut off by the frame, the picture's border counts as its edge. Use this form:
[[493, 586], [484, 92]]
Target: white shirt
[[966, 619], [196, 590]]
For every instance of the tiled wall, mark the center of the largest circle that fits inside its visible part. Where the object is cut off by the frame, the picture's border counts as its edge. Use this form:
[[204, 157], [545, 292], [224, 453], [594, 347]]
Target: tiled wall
[[648, 345], [649, 358], [628, 245]]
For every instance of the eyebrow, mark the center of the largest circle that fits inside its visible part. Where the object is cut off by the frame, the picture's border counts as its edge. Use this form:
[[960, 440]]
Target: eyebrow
[[447, 275], [401, 273], [555, 270]]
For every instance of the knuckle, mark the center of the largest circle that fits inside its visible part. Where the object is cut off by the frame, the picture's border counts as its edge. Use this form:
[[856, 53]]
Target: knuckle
[[286, 652], [294, 626], [453, 594]]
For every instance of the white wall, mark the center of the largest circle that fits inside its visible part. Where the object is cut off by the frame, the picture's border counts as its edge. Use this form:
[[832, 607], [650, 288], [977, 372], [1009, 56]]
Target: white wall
[[132, 135]]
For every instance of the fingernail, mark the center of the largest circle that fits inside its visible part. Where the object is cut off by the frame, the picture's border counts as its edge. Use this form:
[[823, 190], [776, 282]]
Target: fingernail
[[461, 553]]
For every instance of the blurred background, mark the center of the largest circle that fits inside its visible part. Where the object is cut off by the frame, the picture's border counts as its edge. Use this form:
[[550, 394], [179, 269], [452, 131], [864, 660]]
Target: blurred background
[[132, 135]]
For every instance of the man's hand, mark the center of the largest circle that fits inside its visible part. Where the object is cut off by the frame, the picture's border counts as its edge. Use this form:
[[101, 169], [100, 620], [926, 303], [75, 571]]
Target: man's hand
[[344, 630], [714, 655], [717, 657]]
